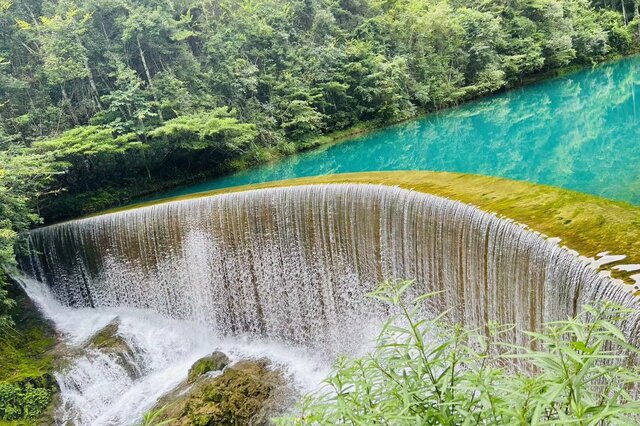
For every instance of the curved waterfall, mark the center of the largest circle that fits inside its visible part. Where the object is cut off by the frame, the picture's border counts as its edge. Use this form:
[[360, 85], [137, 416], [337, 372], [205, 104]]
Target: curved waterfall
[[292, 264]]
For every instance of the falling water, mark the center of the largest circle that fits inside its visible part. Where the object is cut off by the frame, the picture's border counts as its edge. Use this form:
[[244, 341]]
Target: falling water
[[292, 265], [98, 389]]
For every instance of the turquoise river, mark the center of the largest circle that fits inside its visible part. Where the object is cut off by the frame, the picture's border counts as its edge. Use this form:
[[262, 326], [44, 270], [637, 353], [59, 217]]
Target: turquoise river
[[580, 132]]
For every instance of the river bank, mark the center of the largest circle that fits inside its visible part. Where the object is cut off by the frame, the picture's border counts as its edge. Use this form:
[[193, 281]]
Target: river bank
[[67, 205]]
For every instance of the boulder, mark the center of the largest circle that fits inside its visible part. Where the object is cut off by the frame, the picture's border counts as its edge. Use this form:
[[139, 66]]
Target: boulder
[[109, 342], [108, 339], [215, 362], [248, 392]]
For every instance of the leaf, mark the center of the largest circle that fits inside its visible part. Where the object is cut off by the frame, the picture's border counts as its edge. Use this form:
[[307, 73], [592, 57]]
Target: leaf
[[23, 25]]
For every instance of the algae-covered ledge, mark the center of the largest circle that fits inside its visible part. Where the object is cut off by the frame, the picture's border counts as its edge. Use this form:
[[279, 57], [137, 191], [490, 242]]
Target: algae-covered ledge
[[585, 223]]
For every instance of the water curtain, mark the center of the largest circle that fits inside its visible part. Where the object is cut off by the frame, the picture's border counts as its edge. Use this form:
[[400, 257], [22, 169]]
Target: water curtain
[[293, 264]]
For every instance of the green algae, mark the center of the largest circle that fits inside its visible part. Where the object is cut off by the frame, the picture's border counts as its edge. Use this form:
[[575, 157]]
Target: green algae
[[585, 223], [27, 386]]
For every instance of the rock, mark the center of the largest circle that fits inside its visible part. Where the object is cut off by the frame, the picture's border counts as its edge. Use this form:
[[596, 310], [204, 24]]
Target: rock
[[248, 393], [109, 342], [108, 339], [214, 362]]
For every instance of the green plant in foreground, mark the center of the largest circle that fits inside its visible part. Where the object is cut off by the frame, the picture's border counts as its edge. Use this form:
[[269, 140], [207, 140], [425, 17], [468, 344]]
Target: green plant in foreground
[[26, 402], [423, 371], [154, 417]]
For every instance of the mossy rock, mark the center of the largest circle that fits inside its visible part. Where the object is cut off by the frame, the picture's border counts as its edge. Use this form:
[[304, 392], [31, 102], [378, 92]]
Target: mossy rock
[[28, 355], [214, 362], [108, 341], [248, 393], [237, 397]]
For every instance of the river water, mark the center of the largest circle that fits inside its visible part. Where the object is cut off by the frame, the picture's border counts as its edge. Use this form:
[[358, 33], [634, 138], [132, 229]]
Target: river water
[[579, 132]]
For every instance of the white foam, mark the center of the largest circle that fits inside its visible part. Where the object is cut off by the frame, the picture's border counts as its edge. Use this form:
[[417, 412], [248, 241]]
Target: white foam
[[96, 389], [632, 267], [607, 259]]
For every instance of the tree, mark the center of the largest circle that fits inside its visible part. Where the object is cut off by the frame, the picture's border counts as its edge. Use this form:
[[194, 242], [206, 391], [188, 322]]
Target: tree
[[559, 50], [64, 56], [127, 108], [23, 176], [219, 130], [301, 119]]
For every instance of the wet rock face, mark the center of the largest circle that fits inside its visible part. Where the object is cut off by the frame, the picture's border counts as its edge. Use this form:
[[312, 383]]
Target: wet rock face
[[214, 362], [108, 338], [248, 392], [107, 341]]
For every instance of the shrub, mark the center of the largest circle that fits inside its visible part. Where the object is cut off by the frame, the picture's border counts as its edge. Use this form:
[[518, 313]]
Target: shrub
[[423, 371], [26, 402]]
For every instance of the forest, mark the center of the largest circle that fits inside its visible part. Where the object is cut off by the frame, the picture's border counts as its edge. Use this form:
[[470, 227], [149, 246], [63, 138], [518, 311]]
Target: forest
[[102, 101]]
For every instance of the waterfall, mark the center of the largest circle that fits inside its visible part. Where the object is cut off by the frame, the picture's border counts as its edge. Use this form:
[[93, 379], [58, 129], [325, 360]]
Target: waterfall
[[98, 389], [293, 264]]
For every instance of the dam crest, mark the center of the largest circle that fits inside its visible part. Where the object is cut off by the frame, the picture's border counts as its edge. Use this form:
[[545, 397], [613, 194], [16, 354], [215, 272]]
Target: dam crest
[[294, 264]]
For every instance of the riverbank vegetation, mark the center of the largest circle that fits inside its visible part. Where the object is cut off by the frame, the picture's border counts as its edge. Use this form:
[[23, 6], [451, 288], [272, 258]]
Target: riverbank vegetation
[[430, 372], [128, 97], [27, 386]]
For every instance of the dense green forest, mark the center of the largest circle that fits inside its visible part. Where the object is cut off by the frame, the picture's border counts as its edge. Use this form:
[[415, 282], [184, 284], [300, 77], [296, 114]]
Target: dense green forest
[[104, 100]]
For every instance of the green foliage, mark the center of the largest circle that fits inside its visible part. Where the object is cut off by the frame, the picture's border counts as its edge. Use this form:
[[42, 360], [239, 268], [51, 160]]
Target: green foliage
[[22, 403], [87, 141], [427, 372], [218, 129], [136, 93], [301, 119], [22, 177], [154, 418], [64, 56], [128, 107]]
